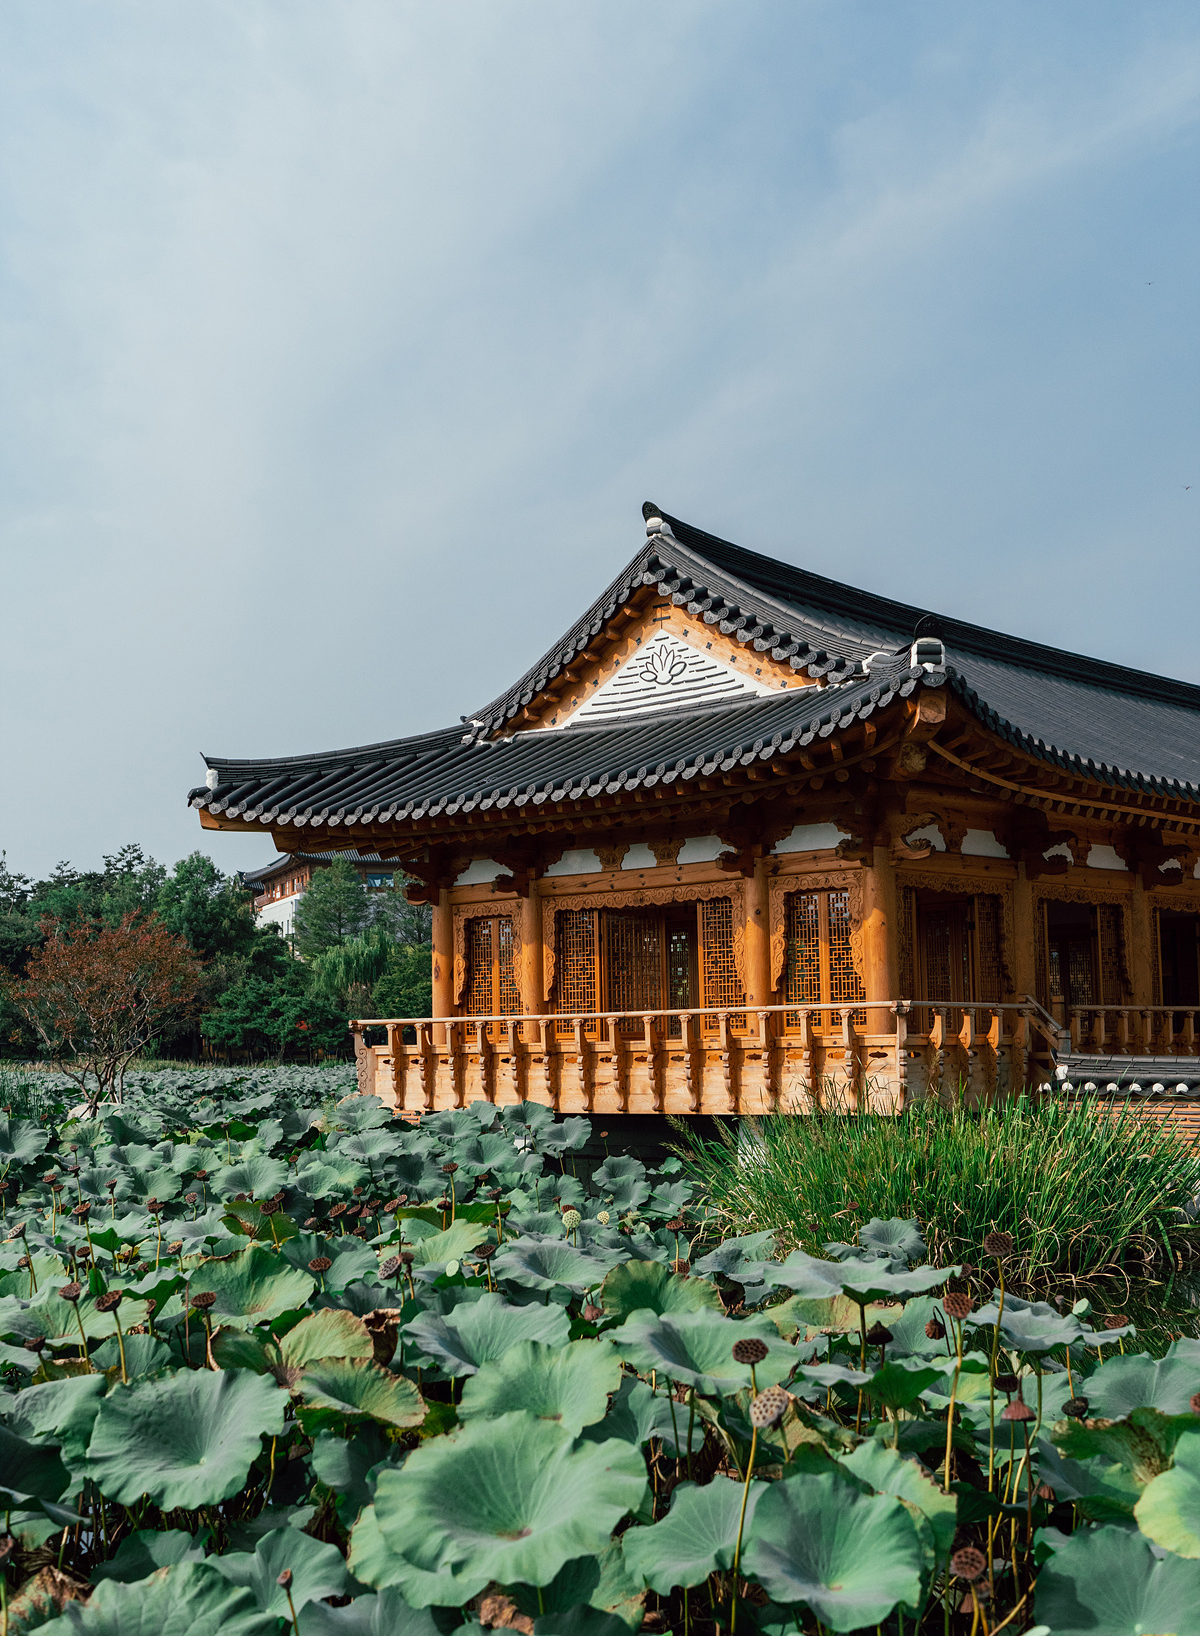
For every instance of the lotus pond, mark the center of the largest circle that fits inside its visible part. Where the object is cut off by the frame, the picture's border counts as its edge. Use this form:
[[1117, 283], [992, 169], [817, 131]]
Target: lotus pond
[[282, 1363]]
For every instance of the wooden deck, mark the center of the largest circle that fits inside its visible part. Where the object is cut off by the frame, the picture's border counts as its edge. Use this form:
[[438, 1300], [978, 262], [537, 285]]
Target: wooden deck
[[874, 1058]]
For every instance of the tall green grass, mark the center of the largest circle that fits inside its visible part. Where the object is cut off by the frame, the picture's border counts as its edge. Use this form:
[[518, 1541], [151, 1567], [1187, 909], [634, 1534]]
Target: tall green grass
[[1084, 1193]]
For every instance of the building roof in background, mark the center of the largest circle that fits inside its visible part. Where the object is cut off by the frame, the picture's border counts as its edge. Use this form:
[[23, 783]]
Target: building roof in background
[[290, 860], [1119, 725]]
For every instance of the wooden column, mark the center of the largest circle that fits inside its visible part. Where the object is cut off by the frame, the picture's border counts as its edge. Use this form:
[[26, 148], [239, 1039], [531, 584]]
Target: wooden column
[[530, 977], [1141, 953], [880, 938], [758, 937], [443, 959], [1023, 954]]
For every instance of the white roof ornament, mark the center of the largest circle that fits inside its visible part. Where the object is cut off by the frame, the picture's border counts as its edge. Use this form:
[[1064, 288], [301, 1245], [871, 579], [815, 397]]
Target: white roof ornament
[[655, 523], [212, 778]]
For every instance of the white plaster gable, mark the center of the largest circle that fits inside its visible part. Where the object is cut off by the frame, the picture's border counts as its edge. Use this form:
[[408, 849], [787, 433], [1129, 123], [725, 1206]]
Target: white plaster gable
[[639, 856], [1104, 857], [576, 863], [982, 843], [701, 849], [811, 838], [930, 834], [666, 671], [478, 871]]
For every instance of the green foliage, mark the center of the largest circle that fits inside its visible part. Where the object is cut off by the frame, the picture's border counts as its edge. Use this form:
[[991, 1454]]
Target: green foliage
[[1077, 1192], [563, 1425], [335, 908]]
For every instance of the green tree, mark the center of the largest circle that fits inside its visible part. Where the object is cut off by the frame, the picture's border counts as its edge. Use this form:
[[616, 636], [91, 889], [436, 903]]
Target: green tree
[[406, 987], [213, 911], [335, 907]]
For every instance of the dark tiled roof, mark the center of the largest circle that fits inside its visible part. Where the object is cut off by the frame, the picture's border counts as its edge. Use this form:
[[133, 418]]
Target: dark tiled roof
[[1121, 725], [289, 860]]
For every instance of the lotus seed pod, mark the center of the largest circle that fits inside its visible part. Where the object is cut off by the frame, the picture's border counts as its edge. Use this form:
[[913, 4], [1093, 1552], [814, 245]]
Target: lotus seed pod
[[968, 1563], [571, 1220], [935, 1330], [35, 1343], [1076, 1408], [320, 1263], [311, 1222], [449, 1169], [71, 1292], [750, 1350], [998, 1245], [82, 1253], [443, 1203], [676, 1224], [1017, 1410], [769, 1407], [191, 1198], [204, 1299], [591, 1313], [1194, 1402], [407, 1257], [603, 1217], [496, 1194], [391, 1266], [1043, 1491], [110, 1301], [338, 1210], [957, 1305], [1116, 1320], [879, 1335], [82, 1211], [284, 1581], [22, 1261], [680, 1268], [1006, 1383], [175, 1246], [201, 1176]]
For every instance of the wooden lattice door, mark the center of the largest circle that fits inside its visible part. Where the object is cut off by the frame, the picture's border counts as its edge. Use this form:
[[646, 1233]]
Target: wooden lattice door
[[492, 989], [820, 955]]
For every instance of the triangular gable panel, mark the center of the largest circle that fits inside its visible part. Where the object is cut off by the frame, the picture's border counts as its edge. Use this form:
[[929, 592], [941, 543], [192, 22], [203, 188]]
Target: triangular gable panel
[[664, 673]]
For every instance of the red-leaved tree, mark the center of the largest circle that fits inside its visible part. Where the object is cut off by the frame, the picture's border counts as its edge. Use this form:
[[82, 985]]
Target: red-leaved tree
[[98, 995]]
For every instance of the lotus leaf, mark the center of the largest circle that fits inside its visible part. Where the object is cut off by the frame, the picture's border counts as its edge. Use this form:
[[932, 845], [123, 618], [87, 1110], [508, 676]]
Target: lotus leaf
[[484, 1330], [568, 1384], [545, 1266], [28, 1469], [1107, 1582], [1134, 1382], [384, 1613], [188, 1599], [648, 1284], [511, 1499], [1103, 1489], [358, 1387], [60, 1411], [696, 1348], [260, 1177], [850, 1557], [899, 1383], [888, 1472], [1142, 1443], [893, 1237], [317, 1570], [697, 1535], [458, 1240], [143, 1355], [373, 1562], [146, 1550], [603, 1583], [21, 1140], [1169, 1510], [330, 1333], [253, 1287], [186, 1439], [637, 1415], [1028, 1326], [344, 1463]]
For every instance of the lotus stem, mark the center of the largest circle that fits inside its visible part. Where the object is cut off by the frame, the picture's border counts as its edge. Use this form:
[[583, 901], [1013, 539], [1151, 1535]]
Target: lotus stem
[[692, 1422], [737, 1549], [121, 1348]]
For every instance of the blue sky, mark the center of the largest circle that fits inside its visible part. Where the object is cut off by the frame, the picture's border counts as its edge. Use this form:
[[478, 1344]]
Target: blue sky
[[340, 344]]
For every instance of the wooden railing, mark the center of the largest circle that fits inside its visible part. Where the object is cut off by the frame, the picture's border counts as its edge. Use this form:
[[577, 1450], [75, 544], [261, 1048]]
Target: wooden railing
[[1135, 1031], [751, 1060]]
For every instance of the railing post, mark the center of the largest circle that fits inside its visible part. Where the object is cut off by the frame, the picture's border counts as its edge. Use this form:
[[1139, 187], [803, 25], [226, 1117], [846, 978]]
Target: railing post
[[395, 1034]]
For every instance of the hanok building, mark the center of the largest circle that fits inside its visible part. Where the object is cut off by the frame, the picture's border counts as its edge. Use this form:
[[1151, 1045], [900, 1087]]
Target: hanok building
[[280, 885], [745, 835]]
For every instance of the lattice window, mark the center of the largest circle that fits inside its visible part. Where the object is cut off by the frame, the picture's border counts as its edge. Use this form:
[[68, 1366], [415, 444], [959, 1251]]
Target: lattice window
[[492, 989], [820, 959], [575, 965], [908, 942], [989, 964], [718, 970], [1112, 953]]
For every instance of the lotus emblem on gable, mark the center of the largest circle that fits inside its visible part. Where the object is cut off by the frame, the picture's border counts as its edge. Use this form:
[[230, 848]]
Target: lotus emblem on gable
[[662, 667]]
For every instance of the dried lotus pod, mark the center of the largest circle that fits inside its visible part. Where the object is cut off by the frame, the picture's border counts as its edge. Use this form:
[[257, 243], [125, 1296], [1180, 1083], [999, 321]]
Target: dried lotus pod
[[391, 1266], [320, 1263], [957, 1305], [968, 1563], [1006, 1384], [591, 1313], [769, 1407], [879, 1335], [71, 1292], [999, 1245], [1076, 1408], [204, 1299], [1116, 1320], [935, 1330], [110, 1301], [749, 1350]]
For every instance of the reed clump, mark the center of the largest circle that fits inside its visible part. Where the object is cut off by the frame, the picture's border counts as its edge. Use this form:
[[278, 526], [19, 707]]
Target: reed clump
[[1085, 1193]]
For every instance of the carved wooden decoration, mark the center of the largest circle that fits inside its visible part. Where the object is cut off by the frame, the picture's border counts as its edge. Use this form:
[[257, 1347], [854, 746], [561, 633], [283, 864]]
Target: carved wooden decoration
[[666, 853], [611, 856], [480, 911], [780, 888], [637, 898]]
